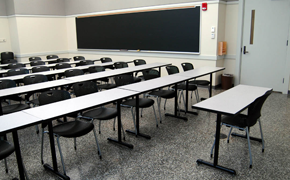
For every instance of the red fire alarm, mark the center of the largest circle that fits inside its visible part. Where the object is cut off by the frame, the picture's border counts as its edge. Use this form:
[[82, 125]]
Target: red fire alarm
[[204, 6]]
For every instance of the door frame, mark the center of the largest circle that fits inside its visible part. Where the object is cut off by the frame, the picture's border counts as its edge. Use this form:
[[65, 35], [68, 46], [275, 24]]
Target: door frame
[[239, 54]]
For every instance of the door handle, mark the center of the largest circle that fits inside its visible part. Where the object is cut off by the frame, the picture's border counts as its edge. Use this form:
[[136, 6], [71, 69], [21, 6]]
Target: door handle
[[245, 50]]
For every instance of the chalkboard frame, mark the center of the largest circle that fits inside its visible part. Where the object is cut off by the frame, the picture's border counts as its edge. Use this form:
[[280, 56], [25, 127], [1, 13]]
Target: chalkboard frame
[[90, 36]]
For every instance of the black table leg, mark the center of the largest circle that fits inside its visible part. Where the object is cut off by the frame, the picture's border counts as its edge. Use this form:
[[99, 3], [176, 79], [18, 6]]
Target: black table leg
[[186, 102], [216, 151], [18, 155], [119, 141], [175, 107], [53, 155], [137, 122]]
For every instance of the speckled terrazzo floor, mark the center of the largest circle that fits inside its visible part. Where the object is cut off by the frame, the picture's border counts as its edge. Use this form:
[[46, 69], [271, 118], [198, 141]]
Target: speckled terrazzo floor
[[172, 151]]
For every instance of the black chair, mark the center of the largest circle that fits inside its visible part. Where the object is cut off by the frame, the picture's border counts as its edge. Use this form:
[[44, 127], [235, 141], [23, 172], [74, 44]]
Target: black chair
[[40, 69], [6, 55], [14, 72], [35, 58], [78, 58], [15, 65], [138, 62], [8, 61], [107, 85], [37, 63], [105, 60], [160, 93], [51, 56], [244, 122], [61, 60], [84, 62], [6, 149], [119, 65], [11, 108], [73, 72], [131, 103], [72, 129], [188, 66], [62, 66], [102, 113], [171, 69]]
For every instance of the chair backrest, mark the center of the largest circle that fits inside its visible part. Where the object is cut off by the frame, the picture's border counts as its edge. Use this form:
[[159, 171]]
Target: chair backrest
[[138, 62], [106, 59], [37, 63], [7, 55], [119, 65], [84, 88], [53, 96], [94, 69], [77, 58], [40, 69], [254, 110], [62, 66], [7, 83], [171, 69], [150, 74], [13, 72], [35, 58], [187, 66], [8, 61], [84, 62], [73, 72], [33, 79], [51, 56], [123, 80], [15, 65], [60, 60]]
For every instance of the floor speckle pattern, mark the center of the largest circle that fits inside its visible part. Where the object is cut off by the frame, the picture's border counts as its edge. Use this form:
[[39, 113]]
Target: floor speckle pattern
[[172, 151]]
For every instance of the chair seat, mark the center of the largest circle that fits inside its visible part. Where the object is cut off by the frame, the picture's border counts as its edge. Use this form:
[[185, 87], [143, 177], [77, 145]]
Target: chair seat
[[107, 86], [5, 149], [167, 94], [137, 79], [73, 129], [14, 108], [101, 113], [143, 102], [200, 82], [239, 121], [191, 87], [35, 102]]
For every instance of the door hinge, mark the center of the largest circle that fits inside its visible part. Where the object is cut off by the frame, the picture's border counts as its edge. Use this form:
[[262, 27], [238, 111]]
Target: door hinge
[[287, 43], [283, 80]]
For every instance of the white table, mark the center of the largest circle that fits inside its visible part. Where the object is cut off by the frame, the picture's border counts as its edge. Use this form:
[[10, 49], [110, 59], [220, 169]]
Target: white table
[[230, 102], [12, 123]]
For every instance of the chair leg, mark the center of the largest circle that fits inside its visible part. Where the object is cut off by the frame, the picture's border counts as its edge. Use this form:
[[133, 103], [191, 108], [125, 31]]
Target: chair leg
[[6, 167], [155, 115], [165, 104], [114, 124], [228, 140], [75, 143], [263, 143], [37, 129], [42, 140], [211, 151], [99, 150], [158, 106], [123, 131], [133, 115], [60, 153], [249, 144], [99, 127], [196, 95]]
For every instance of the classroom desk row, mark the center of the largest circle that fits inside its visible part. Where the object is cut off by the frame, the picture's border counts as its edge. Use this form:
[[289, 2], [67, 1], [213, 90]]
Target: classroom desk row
[[52, 111]]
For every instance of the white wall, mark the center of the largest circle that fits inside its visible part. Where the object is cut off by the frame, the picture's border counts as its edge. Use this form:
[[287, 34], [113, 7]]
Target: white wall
[[5, 34]]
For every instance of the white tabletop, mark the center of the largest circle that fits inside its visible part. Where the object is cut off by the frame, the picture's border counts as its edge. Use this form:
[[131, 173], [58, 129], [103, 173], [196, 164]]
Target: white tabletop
[[17, 120], [61, 108], [34, 87], [145, 86], [200, 71], [233, 100]]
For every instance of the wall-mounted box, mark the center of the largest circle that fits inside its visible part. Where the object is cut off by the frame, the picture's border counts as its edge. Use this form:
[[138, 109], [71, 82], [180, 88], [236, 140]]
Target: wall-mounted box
[[222, 48]]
